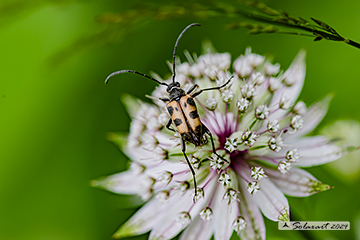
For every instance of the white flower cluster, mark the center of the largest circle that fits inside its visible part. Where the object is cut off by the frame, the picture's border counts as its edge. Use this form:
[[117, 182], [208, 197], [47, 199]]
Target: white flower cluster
[[259, 129]]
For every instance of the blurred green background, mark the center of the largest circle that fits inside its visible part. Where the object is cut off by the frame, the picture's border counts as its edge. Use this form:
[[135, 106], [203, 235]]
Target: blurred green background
[[55, 110]]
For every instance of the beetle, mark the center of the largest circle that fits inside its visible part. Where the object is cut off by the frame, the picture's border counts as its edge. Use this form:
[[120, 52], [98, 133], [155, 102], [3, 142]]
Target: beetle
[[182, 110]]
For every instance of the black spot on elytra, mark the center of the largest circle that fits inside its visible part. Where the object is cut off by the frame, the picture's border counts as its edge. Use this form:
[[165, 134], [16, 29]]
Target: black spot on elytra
[[177, 121], [198, 130], [194, 114], [170, 110], [190, 101], [176, 109], [185, 105]]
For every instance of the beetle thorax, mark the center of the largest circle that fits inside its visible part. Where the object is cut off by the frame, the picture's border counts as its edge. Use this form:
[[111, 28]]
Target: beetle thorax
[[176, 93]]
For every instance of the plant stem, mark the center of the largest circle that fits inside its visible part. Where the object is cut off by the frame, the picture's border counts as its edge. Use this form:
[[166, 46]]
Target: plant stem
[[352, 43]]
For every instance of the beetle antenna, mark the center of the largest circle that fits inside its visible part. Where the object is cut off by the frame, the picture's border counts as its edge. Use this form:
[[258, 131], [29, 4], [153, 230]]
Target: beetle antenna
[[135, 72], [176, 43]]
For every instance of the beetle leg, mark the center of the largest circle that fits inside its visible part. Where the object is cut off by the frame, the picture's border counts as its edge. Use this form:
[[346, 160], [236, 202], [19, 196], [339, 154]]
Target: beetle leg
[[168, 125], [213, 88], [207, 131], [183, 148], [165, 99], [192, 89]]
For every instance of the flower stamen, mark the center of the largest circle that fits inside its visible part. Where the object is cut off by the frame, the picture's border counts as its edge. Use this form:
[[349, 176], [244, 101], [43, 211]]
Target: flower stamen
[[253, 187], [284, 167], [165, 177], [231, 144], [292, 155], [184, 218], [231, 195], [206, 214], [273, 126], [239, 224], [296, 122], [257, 173], [248, 138], [224, 179], [199, 193], [262, 112], [242, 105]]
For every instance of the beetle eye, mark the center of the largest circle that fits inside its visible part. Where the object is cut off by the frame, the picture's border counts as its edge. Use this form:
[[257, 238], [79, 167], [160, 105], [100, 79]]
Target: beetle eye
[[178, 84]]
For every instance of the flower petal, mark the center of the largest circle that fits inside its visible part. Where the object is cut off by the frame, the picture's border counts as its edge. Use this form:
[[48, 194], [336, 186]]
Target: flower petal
[[313, 116], [296, 75], [142, 221], [306, 142], [271, 201], [255, 227], [198, 230], [214, 121], [315, 150], [168, 227], [131, 103], [302, 143], [224, 216], [297, 183], [317, 155], [143, 156], [173, 167], [124, 183]]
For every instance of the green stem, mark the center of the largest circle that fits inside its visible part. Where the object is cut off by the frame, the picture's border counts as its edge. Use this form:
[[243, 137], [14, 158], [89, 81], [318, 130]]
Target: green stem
[[313, 29], [264, 19], [294, 33], [352, 43]]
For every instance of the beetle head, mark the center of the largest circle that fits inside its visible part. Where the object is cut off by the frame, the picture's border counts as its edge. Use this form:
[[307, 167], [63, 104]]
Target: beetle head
[[175, 91], [172, 85]]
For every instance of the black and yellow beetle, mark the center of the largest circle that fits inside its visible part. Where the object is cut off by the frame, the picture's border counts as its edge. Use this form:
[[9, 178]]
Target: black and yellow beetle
[[182, 109]]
